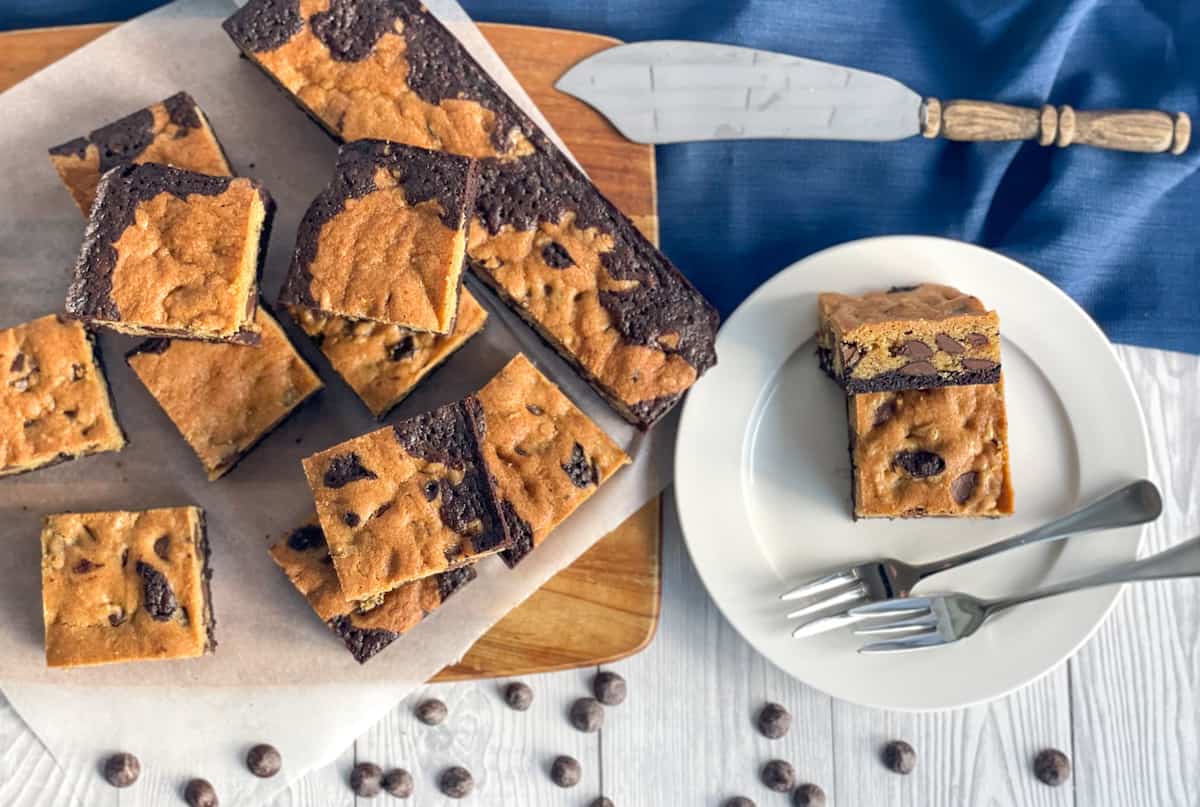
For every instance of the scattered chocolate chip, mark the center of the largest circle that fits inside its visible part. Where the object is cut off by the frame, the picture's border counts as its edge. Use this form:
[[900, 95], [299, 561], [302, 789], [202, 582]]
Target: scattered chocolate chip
[[398, 782], [774, 721], [18, 363], [587, 715], [78, 371], [963, 486], [779, 776], [310, 536], [601, 801], [1052, 767], [565, 771], [898, 289], [200, 793], [979, 364], [948, 343], [402, 349], [122, 770], [885, 411], [456, 782], [977, 339], [431, 490], [913, 349], [70, 414], [344, 469], [535, 410], [162, 547], [518, 696], [157, 596], [581, 472], [124, 557], [918, 368], [851, 355], [556, 256], [609, 688], [351, 519], [264, 760], [117, 617], [431, 712], [366, 780], [899, 757], [83, 566], [809, 795], [919, 464]]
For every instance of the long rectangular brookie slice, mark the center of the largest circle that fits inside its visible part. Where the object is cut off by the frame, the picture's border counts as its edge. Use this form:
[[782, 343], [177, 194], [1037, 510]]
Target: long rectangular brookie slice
[[572, 265]]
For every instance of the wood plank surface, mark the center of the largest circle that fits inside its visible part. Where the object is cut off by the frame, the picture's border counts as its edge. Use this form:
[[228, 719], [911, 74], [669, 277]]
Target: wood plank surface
[[604, 606]]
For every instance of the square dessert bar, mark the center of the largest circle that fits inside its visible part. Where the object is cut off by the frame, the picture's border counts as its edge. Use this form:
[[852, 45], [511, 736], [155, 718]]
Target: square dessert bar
[[126, 586], [304, 558], [386, 240], [934, 452], [224, 398], [546, 455], [407, 501], [913, 337], [54, 403], [384, 363], [554, 248], [172, 132], [173, 253]]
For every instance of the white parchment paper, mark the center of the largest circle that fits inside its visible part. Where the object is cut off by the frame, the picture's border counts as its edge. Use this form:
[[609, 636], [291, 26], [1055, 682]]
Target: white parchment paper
[[268, 637]]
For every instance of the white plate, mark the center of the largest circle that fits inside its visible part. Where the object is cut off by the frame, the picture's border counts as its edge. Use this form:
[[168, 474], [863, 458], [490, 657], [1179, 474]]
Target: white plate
[[763, 476]]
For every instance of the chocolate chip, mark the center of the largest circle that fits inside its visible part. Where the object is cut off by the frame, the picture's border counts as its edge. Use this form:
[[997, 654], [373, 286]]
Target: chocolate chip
[[899, 289], [851, 355], [913, 349], [398, 782], [122, 769], [977, 339], [117, 617], [609, 688], [70, 414], [162, 547], [587, 715], [918, 368], [18, 363], [344, 469], [565, 771], [809, 795], [402, 349], [310, 536], [366, 780], [774, 721], [1052, 767], [200, 793], [979, 364], [432, 712], [264, 760], [948, 343], [885, 411], [78, 371], [124, 557], [556, 256], [579, 470], [779, 776], [431, 490], [535, 410], [962, 487], [351, 519], [919, 464], [740, 801], [899, 757], [157, 597], [456, 782], [83, 566], [518, 696]]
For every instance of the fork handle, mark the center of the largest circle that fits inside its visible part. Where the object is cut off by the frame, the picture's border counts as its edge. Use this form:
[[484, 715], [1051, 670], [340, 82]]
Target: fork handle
[[1135, 503]]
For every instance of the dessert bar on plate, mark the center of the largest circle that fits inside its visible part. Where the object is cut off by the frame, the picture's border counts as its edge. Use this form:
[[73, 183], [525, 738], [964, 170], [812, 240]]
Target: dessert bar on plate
[[126, 586], [304, 558], [546, 455], [173, 253], [931, 452], [385, 241], [172, 132], [55, 403], [255, 388], [572, 265], [384, 363], [407, 501], [913, 337]]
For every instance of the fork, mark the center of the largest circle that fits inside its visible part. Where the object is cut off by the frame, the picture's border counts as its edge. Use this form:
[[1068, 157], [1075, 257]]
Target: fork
[[832, 596], [943, 619]]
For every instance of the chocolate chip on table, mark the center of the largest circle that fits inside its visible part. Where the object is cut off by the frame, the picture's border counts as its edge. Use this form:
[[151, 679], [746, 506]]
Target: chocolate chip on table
[[518, 696], [264, 760], [122, 769], [587, 715], [1052, 767], [779, 776], [366, 780], [609, 688], [565, 771], [774, 721], [398, 782], [739, 801], [809, 795], [200, 793], [899, 757], [432, 712], [456, 782]]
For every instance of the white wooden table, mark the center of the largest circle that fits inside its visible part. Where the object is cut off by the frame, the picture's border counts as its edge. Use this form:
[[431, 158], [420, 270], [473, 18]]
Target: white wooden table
[[1126, 709]]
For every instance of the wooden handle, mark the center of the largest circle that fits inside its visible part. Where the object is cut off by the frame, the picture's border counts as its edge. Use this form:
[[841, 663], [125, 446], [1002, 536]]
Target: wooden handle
[[1143, 130]]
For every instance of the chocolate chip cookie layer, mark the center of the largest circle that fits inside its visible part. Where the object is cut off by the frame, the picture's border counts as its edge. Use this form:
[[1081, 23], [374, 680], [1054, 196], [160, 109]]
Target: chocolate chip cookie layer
[[408, 501], [572, 265], [126, 586], [172, 132]]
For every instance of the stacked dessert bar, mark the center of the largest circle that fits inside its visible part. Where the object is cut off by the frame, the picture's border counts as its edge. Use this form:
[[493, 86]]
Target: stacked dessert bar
[[920, 366]]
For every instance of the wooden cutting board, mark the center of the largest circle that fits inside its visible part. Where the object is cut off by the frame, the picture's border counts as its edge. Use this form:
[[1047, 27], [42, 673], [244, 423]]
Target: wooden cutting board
[[605, 605]]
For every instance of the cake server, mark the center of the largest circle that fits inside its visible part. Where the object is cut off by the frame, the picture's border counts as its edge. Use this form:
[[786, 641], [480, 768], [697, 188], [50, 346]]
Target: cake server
[[673, 91]]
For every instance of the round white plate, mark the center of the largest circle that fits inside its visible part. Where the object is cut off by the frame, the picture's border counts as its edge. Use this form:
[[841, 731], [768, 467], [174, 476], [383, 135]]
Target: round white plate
[[762, 476]]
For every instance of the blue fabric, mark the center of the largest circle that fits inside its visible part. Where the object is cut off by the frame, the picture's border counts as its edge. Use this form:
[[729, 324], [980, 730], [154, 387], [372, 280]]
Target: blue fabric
[[1117, 231]]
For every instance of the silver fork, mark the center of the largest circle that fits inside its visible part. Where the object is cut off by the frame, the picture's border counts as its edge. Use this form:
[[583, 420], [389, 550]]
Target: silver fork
[[830, 598], [942, 619]]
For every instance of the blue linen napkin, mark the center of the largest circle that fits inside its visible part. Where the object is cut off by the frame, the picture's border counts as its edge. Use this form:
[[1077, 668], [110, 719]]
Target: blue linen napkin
[[1117, 231]]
